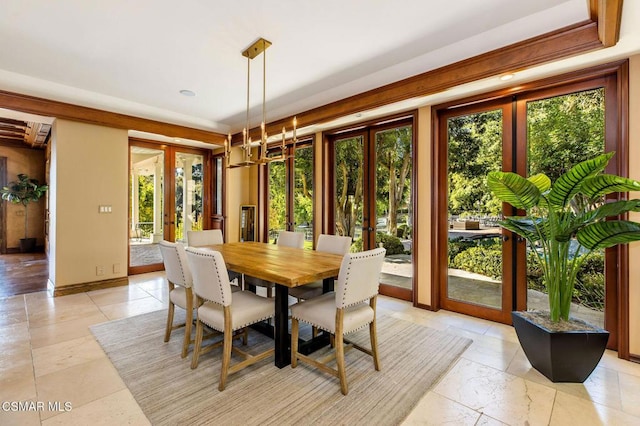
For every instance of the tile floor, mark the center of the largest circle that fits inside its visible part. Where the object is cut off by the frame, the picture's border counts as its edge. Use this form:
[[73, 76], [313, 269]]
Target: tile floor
[[47, 354]]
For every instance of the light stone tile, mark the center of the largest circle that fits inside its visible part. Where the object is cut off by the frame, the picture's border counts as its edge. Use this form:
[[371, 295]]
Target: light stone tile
[[503, 332], [571, 410], [464, 322], [14, 333], [16, 352], [63, 331], [11, 303], [488, 421], [43, 302], [57, 314], [610, 360], [491, 352], [110, 296], [601, 386], [13, 316], [434, 409], [19, 418], [162, 294], [502, 396], [63, 355], [151, 284], [132, 308], [118, 408], [630, 393], [91, 381], [17, 383], [421, 320]]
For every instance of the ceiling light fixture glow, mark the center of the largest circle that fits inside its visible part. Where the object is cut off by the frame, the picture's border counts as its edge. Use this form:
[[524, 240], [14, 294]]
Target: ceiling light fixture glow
[[506, 77]]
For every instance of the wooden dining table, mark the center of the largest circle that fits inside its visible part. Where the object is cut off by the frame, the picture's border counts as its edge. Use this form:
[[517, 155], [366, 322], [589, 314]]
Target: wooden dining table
[[287, 267]]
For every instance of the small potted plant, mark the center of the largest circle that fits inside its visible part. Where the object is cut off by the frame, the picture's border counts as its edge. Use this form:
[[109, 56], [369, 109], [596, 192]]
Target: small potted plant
[[564, 223], [24, 191]]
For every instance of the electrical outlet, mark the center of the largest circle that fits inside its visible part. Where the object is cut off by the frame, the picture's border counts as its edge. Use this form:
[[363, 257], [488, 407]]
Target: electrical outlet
[[99, 270]]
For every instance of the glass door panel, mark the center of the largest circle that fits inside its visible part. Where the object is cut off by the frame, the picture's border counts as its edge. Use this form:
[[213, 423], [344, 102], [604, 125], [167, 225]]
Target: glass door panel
[[147, 206], [189, 191], [561, 132], [303, 193], [348, 194], [277, 219], [393, 204], [476, 264]]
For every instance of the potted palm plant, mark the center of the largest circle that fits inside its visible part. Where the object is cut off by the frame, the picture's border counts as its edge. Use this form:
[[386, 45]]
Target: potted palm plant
[[24, 191], [564, 223]]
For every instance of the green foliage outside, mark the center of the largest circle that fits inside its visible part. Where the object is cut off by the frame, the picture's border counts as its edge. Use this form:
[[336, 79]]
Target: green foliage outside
[[562, 131], [389, 242], [485, 258]]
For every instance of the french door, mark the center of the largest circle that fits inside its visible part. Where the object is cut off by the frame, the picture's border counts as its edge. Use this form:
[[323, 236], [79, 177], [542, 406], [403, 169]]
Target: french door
[[482, 269], [166, 199], [371, 197], [290, 192]]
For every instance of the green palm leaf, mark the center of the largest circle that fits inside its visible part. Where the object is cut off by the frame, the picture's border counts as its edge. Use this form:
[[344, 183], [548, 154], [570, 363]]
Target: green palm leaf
[[601, 235], [568, 185], [597, 186], [610, 209], [513, 189], [541, 181], [524, 227]]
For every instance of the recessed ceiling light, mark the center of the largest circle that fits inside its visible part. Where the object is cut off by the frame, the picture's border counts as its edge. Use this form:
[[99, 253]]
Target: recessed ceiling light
[[358, 115], [187, 92], [506, 77]]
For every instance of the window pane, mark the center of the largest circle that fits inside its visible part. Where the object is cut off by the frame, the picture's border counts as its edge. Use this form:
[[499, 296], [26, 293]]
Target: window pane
[[474, 243], [303, 194], [561, 132]]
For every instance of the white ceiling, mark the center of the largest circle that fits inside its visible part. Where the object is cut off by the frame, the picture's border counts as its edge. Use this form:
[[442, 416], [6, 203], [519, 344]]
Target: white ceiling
[[134, 57]]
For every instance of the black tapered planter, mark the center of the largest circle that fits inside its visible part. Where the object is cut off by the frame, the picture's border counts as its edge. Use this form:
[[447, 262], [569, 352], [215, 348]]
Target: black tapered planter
[[27, 245], [562, 356]]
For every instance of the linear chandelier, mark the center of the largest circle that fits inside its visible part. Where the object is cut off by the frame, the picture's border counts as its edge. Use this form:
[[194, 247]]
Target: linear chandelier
[[257, 48]]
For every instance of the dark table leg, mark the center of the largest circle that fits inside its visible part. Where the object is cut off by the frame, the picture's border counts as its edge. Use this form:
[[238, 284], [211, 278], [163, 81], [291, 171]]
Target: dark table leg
[[327, 285], [282, 336]]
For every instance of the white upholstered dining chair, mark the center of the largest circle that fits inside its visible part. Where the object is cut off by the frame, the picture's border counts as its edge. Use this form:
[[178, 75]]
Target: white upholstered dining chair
[[336, 244], [210, 237], [223, 311], [180, 289], [285, 239], [351, 307], [204, 238]]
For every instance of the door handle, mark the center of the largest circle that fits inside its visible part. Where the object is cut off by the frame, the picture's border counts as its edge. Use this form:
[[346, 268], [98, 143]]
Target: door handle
[[505, 238], [370, 229]]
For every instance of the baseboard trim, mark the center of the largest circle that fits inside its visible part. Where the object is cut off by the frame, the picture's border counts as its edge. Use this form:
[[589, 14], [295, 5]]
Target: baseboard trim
[[634, 358], [94, 285]]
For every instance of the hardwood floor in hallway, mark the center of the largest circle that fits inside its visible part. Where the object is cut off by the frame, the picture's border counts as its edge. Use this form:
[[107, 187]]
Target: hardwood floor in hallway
[[22, 273]]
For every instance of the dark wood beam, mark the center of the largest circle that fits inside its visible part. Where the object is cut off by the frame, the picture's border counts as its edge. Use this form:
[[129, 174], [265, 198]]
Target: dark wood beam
[[13, 143], [609, 18], [34, 105], [556, 45]]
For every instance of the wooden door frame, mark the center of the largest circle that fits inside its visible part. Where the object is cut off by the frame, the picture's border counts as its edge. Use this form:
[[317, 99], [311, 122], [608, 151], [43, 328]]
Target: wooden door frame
[[169, 151], [368, 130], [442, 221], [616, 75], [3, 207]]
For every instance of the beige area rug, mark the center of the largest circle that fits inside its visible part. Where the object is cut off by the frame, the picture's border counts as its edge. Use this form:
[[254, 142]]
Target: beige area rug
[[412, 357]]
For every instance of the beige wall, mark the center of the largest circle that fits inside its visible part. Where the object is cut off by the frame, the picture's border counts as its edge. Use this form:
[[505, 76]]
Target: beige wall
[[89, 168], [242, 189], [423, 199], [30, 162], [634, 172]]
